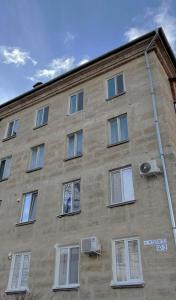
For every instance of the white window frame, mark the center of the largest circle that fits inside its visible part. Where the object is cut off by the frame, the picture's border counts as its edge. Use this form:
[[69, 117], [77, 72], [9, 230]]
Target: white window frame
[[5, 158], [124, 85], [122, 186], [37, 157], [69, 102], [19, 288], [128, 282], [119, 129], [22, 208], [6, 132], [72, 193], [36, 113], [75, 144], [57, 266]]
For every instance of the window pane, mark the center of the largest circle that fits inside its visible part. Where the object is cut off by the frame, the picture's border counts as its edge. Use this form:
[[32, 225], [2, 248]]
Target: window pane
[[10, 128], [63, 266], [40, 158], [2, 167], [16, 271], [80, 101], [67, 198], [26, 207], [134, 259], [33, 163], [76, 197], [79, 143], [39, 117], [25, 271], [111, 88], [73, 268], [120, 86], [7, 167], [120, 261], [45, 117], [114, 138], [128, 191], [15, 127], [73, 100], [71, 139], [123, 127], [32, 213], [116, 193]]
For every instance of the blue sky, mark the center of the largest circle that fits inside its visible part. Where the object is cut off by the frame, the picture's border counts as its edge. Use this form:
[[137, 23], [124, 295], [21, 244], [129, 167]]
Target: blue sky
[[40, 39]]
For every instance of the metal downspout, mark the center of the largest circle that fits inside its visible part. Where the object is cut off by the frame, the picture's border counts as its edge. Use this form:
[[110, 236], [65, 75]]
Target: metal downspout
[[160, 146]]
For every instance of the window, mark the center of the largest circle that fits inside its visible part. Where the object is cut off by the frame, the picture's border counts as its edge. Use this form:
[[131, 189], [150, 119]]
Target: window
[[71, 197], [127, 268], [5, 166], [75, 144], [37, 157], [18, 278], [12, 129], [76, 102], [42, 116], [121, 182], [118, 129], [29, 207], [67, 267], [115, 86]]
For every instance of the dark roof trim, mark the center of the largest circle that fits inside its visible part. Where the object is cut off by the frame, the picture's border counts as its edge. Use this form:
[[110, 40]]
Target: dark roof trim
[[125, 46]]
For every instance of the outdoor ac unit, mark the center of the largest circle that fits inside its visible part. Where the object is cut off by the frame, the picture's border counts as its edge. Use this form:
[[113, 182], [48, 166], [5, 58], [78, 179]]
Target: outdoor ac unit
[[90, 245], [149, 168]]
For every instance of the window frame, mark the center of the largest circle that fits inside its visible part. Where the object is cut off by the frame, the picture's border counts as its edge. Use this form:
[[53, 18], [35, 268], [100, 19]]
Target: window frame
[[19, 288], [1, 160], [75, 134], [128, 282], [35, 192], [69, 102], [36, 114], [6, 137], [119, 130], [57, 266], [123, 202], [29, 168], [72, 182], [116, 94]]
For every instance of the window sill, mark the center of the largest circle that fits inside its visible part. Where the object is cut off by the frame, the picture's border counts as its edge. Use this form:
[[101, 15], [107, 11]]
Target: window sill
[[111, 98], [69, 214], [121, 203], [4, 179], [116, 285], [66, 288], [25, 223], [37, 127], [116, 144], [9, 138], [20, 291], [33, 170], [75, 113], [70, 158]]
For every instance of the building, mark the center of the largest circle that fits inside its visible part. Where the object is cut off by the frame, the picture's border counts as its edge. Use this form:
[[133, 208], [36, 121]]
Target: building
[[74, 155]]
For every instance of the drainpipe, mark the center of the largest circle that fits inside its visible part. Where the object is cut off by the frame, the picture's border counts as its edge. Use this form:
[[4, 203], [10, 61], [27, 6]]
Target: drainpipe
[[158, 134]]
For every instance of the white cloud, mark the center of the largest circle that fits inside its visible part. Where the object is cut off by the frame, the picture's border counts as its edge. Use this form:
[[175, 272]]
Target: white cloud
[[83, 61], [69, 37], [12, 55], [155, 18]]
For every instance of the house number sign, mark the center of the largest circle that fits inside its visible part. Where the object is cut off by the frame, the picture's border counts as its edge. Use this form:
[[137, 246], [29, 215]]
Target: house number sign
[[159, 244]]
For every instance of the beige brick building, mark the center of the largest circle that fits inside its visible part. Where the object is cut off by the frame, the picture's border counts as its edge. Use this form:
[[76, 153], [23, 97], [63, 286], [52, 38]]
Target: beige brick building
[[71, 157]]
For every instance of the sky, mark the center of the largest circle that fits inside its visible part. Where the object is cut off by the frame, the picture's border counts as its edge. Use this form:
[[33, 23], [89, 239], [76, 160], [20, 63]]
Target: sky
[[41, 39]]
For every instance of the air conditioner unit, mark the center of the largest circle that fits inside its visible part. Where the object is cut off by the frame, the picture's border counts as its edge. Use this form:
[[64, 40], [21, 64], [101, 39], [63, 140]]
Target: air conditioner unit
[[90, 245], [149, 168]]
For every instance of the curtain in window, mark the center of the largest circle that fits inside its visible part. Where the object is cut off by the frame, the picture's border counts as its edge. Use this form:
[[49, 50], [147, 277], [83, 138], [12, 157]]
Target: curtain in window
[[134, 263], [73, 268], [128, 191], [16, 271], [67, 205], [10, 129], [120, 261], [25, 270], [76, 196], [63, 266], [116, 193], [39, 117]]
